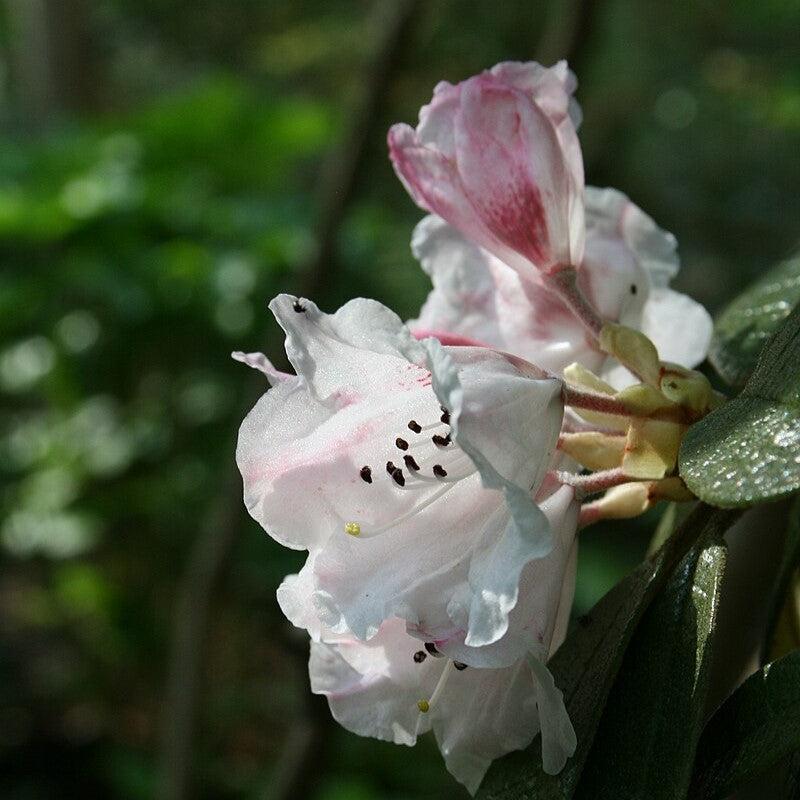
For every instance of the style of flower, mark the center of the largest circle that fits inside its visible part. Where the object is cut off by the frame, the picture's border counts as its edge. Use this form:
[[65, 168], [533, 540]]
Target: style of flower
[[407, 469], [498, 157]]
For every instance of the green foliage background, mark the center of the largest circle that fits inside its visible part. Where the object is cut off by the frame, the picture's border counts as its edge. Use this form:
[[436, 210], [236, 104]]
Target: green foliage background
[[146, 219]]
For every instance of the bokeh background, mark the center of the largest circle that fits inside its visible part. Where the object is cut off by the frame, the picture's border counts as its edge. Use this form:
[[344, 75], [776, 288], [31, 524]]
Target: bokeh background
[[167, 166]]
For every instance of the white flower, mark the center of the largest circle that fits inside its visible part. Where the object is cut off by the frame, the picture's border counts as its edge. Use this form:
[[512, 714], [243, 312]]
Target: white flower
[[408, 471], [394, 688]]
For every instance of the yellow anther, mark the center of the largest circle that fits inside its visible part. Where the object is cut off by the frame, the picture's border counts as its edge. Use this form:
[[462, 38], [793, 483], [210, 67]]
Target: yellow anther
[[353, 528], [424, 706]]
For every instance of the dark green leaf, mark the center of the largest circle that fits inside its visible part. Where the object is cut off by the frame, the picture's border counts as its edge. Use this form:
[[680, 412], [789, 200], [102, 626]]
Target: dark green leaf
[[587, 663], [783, 586], [754, 729], [646, 741], [746, 451], [742, 329]]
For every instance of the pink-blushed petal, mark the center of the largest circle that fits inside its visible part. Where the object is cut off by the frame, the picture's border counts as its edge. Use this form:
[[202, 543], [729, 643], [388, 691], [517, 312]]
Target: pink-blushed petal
[[498, 157], [511, 167], [477, 296], [303, 446]]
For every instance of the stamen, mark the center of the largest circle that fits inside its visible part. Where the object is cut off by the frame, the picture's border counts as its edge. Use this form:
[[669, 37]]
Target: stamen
[[298, 307], [445, 416], [459, 666], [439, 471], [390, 467], [411, 463], [420, 656], [432, 649], [413, 425], [366, 474], [401, 444], [353, 528], [426, 705], [398, 477], [441, 441]]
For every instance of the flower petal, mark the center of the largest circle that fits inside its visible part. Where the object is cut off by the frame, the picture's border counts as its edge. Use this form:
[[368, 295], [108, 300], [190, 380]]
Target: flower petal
[[513, 169], [678, 326], [536, 594], [558, 735], [478, 297], [373, 688], [506, 419]]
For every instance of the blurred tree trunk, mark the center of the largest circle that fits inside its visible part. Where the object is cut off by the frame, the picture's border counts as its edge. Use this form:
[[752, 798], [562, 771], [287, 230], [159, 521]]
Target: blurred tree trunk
[[51, 58]]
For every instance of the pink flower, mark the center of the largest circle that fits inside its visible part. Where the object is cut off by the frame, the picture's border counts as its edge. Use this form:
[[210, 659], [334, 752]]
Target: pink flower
[[497, 156], [625, 274]]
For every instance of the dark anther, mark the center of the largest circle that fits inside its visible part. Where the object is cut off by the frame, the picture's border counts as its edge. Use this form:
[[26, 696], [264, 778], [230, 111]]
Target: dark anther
[[439, 471], [413, 425], [459, 666], [299, 307], [411, 463], [366, 474], [445, 417], [390, 467], [441, 441], [431, 648], [398, 477], [420, 656], [633, 288], [402, 444]]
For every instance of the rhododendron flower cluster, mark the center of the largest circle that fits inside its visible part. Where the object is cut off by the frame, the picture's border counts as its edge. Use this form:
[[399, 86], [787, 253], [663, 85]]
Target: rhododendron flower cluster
[[432, 469]]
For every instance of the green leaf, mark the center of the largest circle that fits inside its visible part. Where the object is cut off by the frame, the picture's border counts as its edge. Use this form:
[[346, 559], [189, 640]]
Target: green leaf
[[746, 451], [754, 729], [742, 329], [586, 665], [782, 622], [646, 741]]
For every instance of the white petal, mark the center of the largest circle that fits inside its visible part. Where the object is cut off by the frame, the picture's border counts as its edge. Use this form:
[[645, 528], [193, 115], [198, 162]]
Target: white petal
[[349, 347], [411, 571], [541, 606], [373, 687], [302, 447], [295, 600], [558, 735], [611, 213], [484, 714], [678, 326], [505, 414], [261, 363]]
